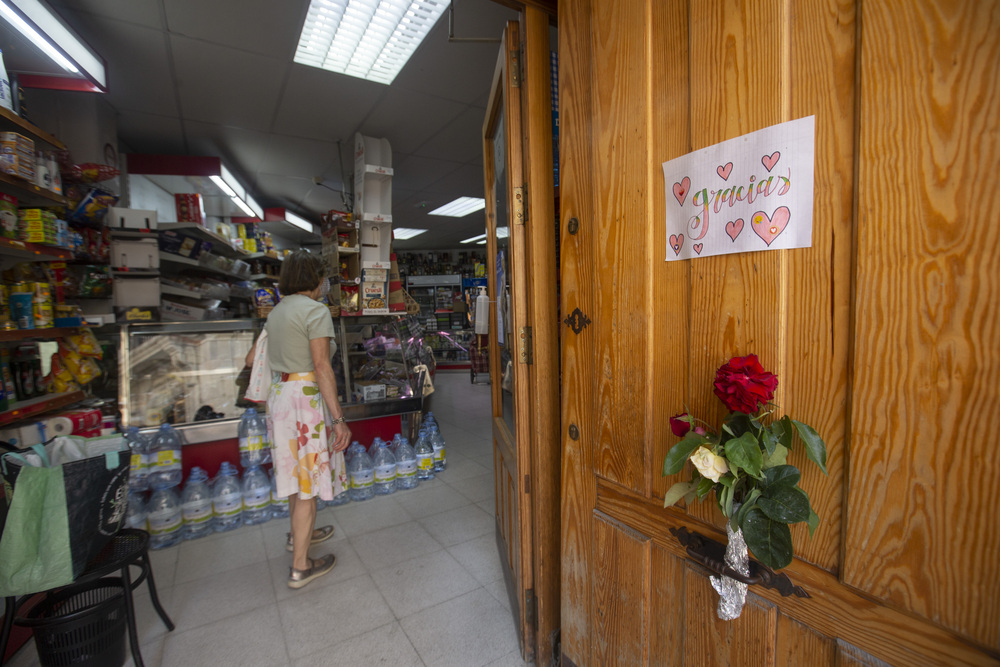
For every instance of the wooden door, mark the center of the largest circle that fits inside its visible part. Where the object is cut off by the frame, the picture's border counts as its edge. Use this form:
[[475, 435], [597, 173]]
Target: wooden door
[[885, 333], [517, 150]]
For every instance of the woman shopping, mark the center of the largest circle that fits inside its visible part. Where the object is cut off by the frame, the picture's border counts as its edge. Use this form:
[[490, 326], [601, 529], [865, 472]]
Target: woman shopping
[[309, 433]]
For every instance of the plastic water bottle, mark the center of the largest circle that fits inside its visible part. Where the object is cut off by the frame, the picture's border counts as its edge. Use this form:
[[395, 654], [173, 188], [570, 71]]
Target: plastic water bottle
[[165, 459], [227, 499], [406, 466], [138, 474], [255, 444], [196, 505], [437, 443], [425, 457], [352, 450], [165, 520], [136, 517], [256, 496], [361, 470], [394, 445], [385, 470], [279, 506], [429, 420]]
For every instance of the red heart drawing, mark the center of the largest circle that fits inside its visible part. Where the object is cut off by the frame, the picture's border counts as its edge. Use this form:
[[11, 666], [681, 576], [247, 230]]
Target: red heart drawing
[[697, 247], [734, 228], [724, 171], [681, 190], [769, 228], [676, 241], [770, 160]]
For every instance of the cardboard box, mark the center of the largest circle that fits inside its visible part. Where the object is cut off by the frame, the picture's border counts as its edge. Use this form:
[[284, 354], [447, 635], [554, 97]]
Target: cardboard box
[[136, 291], [8, 215], [371, 391], [190, 208], [140, 254], [171, 310], [130, 218], [177, 243]]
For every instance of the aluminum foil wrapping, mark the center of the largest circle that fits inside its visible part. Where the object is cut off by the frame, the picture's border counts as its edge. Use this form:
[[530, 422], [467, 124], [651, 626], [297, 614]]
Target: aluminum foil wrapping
[[732, 593]]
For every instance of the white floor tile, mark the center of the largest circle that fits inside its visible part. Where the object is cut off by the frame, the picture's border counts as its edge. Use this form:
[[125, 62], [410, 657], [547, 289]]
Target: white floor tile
[[211, 555], [358, 518], [164, 565], [422, 582], [460, 466], [152, 653], [252, 639], [468, 631], [424, 502], [498, 589], [458, 525], [512, 659], [320, 618], [480, 487], [220, 596], [480, 557], [389, 546], [387, 645]]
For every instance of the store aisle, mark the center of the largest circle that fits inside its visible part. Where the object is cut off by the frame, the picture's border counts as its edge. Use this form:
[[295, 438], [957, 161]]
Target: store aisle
[[418, 580]]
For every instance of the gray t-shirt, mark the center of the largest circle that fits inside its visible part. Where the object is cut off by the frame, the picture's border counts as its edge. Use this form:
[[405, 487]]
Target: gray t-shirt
[[295, 321]]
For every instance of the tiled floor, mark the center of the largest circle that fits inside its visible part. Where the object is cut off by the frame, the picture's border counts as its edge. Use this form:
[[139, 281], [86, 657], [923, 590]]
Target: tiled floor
[[418, 579]]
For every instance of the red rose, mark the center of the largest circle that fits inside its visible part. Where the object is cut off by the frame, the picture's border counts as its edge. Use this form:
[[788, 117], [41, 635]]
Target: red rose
[[743, 385], [680, 424]]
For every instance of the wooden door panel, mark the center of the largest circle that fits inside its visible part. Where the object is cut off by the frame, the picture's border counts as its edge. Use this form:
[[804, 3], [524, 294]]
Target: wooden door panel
[[921, 524], [621, 557], [748, 641], [798, 644], [666, 614]]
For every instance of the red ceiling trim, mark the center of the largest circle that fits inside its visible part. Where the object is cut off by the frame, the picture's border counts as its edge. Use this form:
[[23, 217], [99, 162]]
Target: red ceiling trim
[[58, 83], [174, 165]]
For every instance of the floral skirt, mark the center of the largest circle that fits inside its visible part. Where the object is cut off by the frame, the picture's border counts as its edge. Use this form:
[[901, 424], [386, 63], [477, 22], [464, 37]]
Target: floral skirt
[[301, 438]]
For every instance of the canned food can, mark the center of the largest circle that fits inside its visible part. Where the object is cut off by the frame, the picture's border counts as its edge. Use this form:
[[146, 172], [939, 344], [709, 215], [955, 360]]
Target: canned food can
[[20, 288], [43, 314], [42, 291]]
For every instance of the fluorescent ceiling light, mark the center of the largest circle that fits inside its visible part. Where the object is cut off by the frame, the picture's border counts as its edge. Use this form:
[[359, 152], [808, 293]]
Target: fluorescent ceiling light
[[460, 207], [223, 186], [503, 232], [473, 239], [369, 39], [402, 233], [53, 37], [483, 242], [246, 207], [227, 177], [298, 221], [254, 206]]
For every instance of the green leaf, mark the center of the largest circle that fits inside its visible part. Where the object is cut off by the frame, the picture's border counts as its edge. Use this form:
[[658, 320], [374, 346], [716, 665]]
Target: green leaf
[[780, 476], [782, 429], [748, 504], [745, 453], [815, 447], [778, 458], [310, 391], [704, 487], [738, 423], [679, 453], [769, 540], [676, 492], [786, 504], [770, 441], [813, 522], [725, 498]]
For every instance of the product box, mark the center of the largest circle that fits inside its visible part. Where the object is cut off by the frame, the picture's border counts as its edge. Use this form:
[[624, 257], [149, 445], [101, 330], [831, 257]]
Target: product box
[[135, 254], [18, 165], [137, 314], [371, 391], [136, 291], [190, 208], [177, 243], [130, 218], [8, 216], [177, 311]]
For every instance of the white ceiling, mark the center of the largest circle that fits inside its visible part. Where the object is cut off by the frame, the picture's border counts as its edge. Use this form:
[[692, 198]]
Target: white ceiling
[[215, 77]]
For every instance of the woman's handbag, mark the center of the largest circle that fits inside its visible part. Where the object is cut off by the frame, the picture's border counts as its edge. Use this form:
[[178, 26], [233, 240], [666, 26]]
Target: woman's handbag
[[58, 517], [260, 372]]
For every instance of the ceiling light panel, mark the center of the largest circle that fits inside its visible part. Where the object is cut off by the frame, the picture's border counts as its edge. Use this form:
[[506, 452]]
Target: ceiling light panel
[[473, 239], [368, 39], [461, 207], [402, 233]]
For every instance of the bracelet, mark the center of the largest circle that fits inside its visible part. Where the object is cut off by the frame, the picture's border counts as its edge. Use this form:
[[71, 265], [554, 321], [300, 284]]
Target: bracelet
[[338, 420]]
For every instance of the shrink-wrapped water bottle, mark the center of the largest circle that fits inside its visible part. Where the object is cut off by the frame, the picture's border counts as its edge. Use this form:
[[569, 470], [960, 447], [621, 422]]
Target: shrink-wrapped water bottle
[[361, 471], [165, 520], [227, 499], [406, 466], [425, 456], [196, 505], [165, 459], [385, 470], [255, 444], [256, 496]]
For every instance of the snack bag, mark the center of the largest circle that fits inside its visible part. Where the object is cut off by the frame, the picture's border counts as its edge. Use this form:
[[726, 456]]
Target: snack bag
[[85, 344]]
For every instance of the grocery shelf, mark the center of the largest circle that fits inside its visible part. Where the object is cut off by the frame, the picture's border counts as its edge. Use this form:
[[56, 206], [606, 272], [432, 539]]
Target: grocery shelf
[[29, 194], [180, 291], [220, 244], [270, 259], [32, 251], [26, 334], [9, 119], [262, 276], [36, 406], [170, 258]]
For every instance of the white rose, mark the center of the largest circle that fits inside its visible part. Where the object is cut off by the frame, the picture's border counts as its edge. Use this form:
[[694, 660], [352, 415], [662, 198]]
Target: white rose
[[708, 464]]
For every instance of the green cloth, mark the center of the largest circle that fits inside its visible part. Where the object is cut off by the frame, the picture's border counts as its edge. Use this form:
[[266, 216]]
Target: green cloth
[[294, 322]]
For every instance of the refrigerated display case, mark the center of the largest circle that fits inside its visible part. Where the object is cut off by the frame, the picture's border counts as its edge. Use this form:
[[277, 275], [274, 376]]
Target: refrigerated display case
[[435, 294]]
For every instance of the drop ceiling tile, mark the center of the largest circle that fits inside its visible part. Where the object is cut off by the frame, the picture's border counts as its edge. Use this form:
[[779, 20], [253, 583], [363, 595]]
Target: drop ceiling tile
[[151, 133], [466, 180], [459, 141], [416, 173], [140, 12], [243, 151], [323, 105], [260, 26], [218, 84], [408, 118], [305, 158]]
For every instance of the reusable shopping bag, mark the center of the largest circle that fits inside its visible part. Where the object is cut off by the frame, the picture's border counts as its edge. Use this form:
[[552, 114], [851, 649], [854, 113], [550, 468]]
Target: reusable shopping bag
[[260, 373]]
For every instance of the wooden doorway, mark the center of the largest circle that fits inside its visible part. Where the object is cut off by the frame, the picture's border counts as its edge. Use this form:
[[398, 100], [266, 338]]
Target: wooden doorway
[[882, 333], [517, 151]]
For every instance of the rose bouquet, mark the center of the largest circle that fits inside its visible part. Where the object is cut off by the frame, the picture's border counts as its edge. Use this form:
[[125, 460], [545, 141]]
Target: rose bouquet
[[745, 463]]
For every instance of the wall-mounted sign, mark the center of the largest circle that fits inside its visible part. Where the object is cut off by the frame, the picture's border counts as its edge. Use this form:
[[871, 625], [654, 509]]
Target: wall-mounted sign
[[754, 192]]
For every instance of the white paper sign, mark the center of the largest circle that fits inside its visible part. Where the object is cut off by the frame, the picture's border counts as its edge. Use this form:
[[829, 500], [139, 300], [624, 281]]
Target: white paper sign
[[753, 192]]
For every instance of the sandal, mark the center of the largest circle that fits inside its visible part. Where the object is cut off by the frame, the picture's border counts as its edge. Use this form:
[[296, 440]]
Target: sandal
[[319, 535], [317, 568]]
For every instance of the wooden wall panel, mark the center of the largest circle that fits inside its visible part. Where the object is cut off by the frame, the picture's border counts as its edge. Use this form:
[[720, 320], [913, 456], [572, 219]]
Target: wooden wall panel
[[670, 282], [737, 301], [619, 160], [747, 641], [815, 381], [621, 558], [577, 276], [922, 527], [666, 608], [798, 644]]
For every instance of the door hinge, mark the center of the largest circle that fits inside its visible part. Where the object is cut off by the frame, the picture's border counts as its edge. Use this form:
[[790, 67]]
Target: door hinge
[[530, 611], [515, 69], [524, 346], [520, 210]]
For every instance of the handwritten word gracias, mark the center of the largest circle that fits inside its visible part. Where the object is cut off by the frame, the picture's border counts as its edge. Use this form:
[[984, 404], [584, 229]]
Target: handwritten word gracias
[[713, 201]]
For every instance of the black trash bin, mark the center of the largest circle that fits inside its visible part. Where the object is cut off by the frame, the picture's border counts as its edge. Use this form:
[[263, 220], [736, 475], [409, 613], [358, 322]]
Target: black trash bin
[[80, 626]]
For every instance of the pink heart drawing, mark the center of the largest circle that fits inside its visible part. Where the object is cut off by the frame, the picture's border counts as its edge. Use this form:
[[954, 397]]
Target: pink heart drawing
[[697, 247], [724, 171], [676, 241], [681, 190], [734, 228], [770, 160], [769, 228]]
